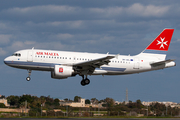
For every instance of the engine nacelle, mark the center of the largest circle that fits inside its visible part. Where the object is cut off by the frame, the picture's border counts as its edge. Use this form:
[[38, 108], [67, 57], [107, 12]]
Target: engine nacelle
[[62, 72]]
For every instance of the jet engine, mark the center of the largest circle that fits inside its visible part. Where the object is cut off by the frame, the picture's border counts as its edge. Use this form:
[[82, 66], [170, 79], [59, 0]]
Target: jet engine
[[62, 72]]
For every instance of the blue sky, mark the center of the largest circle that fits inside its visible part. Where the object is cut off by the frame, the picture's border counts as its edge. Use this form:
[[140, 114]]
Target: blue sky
[[114, 26]]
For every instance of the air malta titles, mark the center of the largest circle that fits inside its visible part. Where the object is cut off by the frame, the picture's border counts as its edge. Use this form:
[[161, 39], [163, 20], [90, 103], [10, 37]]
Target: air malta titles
[[47, 53]]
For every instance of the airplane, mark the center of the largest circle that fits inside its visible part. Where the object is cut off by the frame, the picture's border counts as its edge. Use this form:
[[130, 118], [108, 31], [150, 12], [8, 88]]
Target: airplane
[[64, 64]]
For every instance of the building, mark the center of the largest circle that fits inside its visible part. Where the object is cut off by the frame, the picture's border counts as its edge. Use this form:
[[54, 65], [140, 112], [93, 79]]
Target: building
[[94, 105], [80, 103], [172, 104], [5, 102]]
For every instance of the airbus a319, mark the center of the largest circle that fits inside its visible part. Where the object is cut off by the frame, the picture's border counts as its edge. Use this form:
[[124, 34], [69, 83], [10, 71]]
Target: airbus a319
[[63, 64]]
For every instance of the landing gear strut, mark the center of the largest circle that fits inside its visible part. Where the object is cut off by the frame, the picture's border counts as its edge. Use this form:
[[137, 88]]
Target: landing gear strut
[[29, 74], [85, 81]]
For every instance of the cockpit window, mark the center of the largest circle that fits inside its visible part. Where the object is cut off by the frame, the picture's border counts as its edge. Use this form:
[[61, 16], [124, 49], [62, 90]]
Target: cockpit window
[[17, 54]]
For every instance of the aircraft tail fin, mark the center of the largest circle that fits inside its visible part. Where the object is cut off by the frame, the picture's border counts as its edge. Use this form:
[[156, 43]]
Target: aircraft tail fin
[[160, 44]]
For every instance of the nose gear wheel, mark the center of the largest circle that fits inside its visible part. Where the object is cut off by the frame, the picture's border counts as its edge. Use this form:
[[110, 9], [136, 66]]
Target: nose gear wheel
[[29, 74]]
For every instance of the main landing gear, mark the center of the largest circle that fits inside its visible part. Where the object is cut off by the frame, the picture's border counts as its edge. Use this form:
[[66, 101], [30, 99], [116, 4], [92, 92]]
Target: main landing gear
[[29, 74], [85, 81]]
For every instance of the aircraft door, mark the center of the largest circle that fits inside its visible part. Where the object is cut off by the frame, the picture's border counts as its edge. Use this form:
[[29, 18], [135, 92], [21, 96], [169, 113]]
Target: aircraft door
[[30, 56], [136, 64]]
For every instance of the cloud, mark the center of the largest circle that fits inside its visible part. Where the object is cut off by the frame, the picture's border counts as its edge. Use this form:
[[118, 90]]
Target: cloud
[[4, 39], [2, 52], [38, 10], [138, 9], [74, 13], [40, 13], [77, 27], [19, 45], [63, 36]]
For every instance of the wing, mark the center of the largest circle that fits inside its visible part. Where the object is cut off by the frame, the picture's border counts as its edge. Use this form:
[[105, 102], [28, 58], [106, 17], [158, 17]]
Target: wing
[[88, 67]]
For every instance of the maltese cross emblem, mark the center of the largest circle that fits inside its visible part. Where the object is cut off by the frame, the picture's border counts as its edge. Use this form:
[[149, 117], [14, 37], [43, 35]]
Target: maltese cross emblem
[[162, 43]]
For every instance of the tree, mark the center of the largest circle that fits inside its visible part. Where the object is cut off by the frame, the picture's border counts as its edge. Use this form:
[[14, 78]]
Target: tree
[[24, 98], [87, 101], [101, 101], [139, 104], [66, 99], [13, 100], [94, 100], [76, 98], [56, 102], [110, 102], [2, 105], [2, 96]]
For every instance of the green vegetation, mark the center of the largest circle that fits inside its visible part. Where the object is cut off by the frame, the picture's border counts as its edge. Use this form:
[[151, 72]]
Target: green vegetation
[[49, 107], [2, 105]]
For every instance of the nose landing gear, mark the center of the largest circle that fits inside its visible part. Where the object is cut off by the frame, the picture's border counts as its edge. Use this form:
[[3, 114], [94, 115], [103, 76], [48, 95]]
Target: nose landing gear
[[85, 81], [29, 74]]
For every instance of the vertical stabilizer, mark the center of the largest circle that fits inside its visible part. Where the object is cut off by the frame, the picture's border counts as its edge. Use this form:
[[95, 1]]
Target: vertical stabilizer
[[160, 45]]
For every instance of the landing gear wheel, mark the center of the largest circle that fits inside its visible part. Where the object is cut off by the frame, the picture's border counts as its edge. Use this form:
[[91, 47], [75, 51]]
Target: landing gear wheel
[[28, 78], [29, 74], [83, 83], [87, 81]]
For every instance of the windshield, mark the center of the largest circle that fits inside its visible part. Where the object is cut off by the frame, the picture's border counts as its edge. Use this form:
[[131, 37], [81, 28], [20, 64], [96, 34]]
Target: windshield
[[16, 54]]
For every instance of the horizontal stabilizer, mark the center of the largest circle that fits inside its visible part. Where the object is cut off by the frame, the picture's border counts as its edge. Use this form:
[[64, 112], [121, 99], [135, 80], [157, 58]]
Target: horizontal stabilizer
[[161, 62]]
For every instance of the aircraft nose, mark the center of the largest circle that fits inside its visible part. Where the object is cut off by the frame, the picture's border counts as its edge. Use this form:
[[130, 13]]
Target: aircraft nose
[[6, 60]]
